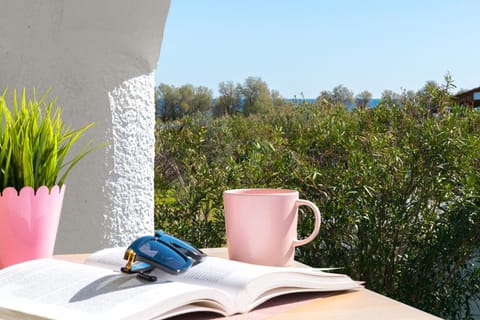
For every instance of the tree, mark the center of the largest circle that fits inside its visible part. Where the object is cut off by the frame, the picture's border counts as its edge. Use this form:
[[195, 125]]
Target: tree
[[363, 99], [339, 95], [229, 100], [409, 95], [256, 96], [342, 95], [202, 100], [391, 98], [325, 97], [277, 98], [168, 99], [175, 103], [187, 94]]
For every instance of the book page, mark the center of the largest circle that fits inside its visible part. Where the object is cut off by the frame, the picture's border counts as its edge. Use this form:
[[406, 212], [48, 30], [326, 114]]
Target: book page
[[63, 290], [248, 285], [110, 258], [251, 285]]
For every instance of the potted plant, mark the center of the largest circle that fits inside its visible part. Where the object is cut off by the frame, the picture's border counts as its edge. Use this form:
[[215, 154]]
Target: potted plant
[[35, 160]]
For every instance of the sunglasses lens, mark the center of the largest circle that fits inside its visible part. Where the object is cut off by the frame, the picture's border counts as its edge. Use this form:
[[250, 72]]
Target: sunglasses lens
[[182, 246], [163, 257], [140, 267]]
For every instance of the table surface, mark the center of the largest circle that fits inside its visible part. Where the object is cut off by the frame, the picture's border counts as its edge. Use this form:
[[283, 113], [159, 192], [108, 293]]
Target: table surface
[[357, 304]]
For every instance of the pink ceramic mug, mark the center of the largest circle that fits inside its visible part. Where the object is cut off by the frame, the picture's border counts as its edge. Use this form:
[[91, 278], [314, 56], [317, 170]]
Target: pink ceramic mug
[[261, 225]]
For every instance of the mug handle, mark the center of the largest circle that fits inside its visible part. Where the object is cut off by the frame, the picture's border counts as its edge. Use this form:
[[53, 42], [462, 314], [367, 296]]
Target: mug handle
[[316, 228]]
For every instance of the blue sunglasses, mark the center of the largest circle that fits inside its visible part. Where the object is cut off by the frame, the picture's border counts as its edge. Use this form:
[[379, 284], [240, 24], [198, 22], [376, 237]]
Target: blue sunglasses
[[162, 251]]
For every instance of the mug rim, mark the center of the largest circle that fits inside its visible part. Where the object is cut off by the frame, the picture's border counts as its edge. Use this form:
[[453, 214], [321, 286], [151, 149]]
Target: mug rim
[[260, 192]]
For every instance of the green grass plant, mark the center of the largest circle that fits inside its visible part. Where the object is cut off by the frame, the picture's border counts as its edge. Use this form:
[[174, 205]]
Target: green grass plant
[[35, 142]]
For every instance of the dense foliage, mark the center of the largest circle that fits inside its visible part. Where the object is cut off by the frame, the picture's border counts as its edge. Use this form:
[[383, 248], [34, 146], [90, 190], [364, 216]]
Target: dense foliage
[[398, 188]]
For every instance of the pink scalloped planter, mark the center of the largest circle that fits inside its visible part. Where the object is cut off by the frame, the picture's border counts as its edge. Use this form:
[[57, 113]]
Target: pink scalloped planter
[[28, 223]]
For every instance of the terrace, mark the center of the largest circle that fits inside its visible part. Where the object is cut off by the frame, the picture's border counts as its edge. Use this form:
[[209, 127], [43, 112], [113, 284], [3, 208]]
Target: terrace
[[99, 58]]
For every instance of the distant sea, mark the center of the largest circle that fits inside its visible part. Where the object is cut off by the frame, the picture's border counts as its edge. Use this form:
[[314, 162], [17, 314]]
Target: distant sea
[[373, 102]]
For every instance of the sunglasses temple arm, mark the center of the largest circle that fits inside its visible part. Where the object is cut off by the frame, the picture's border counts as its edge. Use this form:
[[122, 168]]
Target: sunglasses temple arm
[[146, 276]]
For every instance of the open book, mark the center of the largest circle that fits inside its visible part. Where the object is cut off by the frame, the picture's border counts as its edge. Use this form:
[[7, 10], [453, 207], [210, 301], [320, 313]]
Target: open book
[[56, 289]]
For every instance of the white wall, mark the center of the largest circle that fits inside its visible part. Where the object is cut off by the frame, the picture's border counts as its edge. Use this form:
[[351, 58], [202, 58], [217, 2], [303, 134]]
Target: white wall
[[99, 57]]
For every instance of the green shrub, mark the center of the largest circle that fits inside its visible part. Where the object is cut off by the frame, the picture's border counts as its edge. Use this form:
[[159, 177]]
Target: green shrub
[[397, 187]]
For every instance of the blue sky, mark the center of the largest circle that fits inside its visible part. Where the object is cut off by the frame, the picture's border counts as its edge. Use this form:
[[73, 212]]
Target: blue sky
[[306, 46]]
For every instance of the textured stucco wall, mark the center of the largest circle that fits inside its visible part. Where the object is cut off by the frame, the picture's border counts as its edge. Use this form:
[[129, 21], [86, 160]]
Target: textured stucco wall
[[130, 185], [99, 58]]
